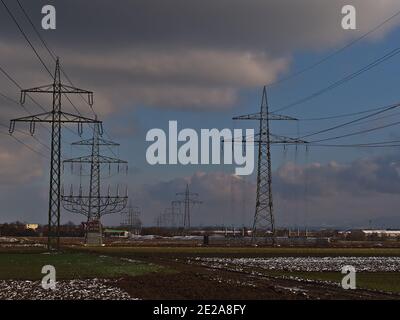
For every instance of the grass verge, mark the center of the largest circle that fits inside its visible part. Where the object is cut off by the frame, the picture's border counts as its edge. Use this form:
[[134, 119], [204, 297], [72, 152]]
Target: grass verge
[[28, 266]]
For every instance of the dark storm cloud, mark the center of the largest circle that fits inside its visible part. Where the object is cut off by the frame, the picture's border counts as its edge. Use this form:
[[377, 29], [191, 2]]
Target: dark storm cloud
[[181, 53], [243, 24]]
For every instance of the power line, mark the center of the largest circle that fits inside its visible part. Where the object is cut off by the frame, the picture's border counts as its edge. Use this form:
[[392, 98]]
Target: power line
[[8, 98], [388, 108], [357, 133], [344, 115], [26, 37], [36, 31], [342, 81], [53, 56], [32, 46], [11, 79], [26, 145], [366, 145], [340, 50], [27, 134], [51, 52], [41, 60]]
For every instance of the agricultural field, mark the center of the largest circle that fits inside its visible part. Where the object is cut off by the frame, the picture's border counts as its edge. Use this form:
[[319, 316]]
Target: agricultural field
[[79, 275], [198, 273], [268, 273]]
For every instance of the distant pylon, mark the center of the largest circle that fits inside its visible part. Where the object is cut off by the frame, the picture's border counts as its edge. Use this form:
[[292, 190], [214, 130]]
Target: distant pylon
[[264, 215], [94, 206], [131, 219], [189, 200], [177, 214], [56, 117]]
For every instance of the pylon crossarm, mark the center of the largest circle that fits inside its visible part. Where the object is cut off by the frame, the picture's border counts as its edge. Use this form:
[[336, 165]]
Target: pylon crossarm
[[74, 206], [101, 159], [41, 117], [101, 142], [114, 205], [190, 194], [263, 116], [70, 89], [273, 116], [274, 139], [50, 88], [76, 200], [287, 140], [73, 118], [251, 116], [108, 201], [84, 159], [71, 208], [47, 88], [108, 205], [192, 201], [48, 117]]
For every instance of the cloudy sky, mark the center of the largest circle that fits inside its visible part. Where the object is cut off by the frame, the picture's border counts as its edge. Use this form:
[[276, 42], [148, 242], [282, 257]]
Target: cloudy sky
[[201, 63]]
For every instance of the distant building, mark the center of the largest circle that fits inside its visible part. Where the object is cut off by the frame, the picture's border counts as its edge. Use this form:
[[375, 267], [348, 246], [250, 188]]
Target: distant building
[[382, 233], [371, 233], [112, 233], [31, 226]]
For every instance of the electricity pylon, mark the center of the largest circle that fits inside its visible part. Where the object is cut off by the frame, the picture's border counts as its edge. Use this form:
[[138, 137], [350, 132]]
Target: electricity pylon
[[264, 216], [188, 200], [56, 117], [176, 214], [131, 219], [93, 205]]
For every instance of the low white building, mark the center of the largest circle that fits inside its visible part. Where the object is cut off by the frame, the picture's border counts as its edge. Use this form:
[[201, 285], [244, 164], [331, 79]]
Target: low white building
[[382, 233]]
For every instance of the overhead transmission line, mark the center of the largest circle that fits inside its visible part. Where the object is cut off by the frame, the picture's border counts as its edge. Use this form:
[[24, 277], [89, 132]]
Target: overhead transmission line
[[12, 80], [333, 54], [51, 52], [27, 134], [344, 115], [39, 58], [384, 144], [32, 46], [344, 80], [54, 57], [386, 109], [357, 133], [25, 36], [25, 145]]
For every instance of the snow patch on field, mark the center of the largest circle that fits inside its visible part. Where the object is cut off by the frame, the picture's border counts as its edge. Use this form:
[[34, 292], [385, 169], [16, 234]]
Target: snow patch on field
[[88, 289], [306, 264]]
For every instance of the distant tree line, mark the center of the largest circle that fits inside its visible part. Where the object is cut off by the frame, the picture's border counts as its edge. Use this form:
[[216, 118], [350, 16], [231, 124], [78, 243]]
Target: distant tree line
[[19, 229]]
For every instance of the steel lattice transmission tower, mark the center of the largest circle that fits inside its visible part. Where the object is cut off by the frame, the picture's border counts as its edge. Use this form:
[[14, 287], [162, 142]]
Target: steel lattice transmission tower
[[56, 118], [131, 219], [188, 200], [176, 214], [172, 216], [264, 214], [94, 205]]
